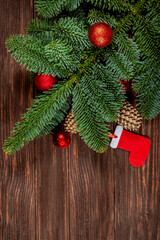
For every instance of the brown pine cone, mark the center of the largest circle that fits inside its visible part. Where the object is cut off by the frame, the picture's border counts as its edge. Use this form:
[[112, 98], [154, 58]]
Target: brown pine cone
[[69, 124], [129, 117]]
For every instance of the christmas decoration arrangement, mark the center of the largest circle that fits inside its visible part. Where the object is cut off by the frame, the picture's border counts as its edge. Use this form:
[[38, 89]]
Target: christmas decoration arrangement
[[85, 57]]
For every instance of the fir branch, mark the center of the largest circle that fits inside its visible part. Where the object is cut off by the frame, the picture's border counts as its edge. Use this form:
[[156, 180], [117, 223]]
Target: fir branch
[[139, 6], [118, 63], [55, 58], [100, 16], [49, 8], [127, 47], [38, 25], [49, 108], [104, 92], [73, 32], [79, 14], [125, 23], [67, 29], [61, 55], [154, 17], [28, 51], [41, 29], [142, 6], [73, 4], [113, 85], [146, 38], [120, 5], [147, 87], [91, 125]]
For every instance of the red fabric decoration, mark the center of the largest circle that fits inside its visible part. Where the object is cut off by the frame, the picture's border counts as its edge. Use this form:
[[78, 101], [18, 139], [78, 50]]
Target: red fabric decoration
[[44, 82], [61, 139], [126, 86], [137, 145], [100, 34]]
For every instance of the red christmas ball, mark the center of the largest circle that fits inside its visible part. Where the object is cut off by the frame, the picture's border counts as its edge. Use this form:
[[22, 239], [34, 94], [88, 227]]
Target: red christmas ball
[[100, 34], [126, 86], [61, 139], [44, 82]]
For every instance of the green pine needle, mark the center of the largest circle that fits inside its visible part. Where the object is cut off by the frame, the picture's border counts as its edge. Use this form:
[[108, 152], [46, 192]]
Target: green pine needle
[[50, 8], [47, 109], [60, 54], [119, 64], [147, 86], [91, 125], [30, 52]]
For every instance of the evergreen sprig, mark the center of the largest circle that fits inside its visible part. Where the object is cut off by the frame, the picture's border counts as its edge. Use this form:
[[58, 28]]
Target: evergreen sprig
[[99, 85], [41, 29], [119, 64], [119, 5], [67, 29], [50, 8], [48, 109], [127, 47], [147, 86], [60, 54], [73, 32], [30, 52], [90, 123], [95, 16], [146, 37]]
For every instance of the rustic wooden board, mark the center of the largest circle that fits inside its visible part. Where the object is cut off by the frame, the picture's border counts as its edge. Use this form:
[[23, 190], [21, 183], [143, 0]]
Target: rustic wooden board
[[17, 201], [52, 191], [91, 181], [70, 194], [137, 191]]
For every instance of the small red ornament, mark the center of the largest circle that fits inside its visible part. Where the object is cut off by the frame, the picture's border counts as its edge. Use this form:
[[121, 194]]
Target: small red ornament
[[44, 82], [61, 139], [100, 34], [126, 86]]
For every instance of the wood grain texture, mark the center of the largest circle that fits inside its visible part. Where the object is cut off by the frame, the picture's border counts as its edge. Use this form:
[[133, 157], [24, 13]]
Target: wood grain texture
[[52, 193], [91, 181], [17, 214], [137, 200], [71, 194]]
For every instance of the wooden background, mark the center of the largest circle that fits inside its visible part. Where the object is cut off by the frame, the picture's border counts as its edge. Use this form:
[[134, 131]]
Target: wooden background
[[71, 194]]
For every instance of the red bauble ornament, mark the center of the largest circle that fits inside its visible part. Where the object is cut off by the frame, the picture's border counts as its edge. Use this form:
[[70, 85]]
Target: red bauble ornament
[[44, 82], [100, 34], [61, 139], [126, 86]]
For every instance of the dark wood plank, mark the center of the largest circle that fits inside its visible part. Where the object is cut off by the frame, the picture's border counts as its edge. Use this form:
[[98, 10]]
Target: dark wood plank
[[17, 201], [91, 178], [52, 193], [137, 191]]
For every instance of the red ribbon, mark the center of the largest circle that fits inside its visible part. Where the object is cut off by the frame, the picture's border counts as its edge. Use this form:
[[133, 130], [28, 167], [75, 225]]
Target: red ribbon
[[111, 135]]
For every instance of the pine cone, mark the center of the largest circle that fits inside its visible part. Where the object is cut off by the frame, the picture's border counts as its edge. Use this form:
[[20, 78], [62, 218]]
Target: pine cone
[[69, 124], [129, 117]]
